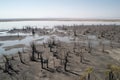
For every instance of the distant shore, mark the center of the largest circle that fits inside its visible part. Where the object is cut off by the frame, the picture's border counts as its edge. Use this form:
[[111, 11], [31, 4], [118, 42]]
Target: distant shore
[[58, 19]]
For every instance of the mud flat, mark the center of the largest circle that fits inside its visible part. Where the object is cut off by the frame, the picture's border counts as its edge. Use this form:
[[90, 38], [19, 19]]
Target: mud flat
[[6, 38], [1, 44], [3, 30], [13, 47]]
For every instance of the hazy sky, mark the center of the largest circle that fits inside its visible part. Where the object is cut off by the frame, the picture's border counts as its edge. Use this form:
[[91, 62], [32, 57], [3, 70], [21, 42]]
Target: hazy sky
[[59, 8]]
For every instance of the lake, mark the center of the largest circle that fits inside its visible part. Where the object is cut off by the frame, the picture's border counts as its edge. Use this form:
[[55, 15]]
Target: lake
[[49, 24]]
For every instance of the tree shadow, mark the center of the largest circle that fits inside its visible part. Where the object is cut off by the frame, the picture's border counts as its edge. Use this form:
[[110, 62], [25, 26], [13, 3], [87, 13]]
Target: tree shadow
[[73, 73], [86, 63], [86, 60], [49, 69]]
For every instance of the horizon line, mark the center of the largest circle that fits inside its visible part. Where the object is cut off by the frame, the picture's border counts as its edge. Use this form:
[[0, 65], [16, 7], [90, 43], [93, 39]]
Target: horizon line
[[60, 19]]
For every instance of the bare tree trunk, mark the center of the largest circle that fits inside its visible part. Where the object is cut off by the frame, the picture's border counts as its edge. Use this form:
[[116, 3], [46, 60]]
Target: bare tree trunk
[[33, 51], [8, 66], [74, 48], [21, 58], [81, 56], [81, 59], [103, 48], [89, 76], [47, 64], [111, 44], [89, 47], [54, 63], [41, 59], [33, 32], [66, 61], [50, 49], [38, 55], [111, 76]]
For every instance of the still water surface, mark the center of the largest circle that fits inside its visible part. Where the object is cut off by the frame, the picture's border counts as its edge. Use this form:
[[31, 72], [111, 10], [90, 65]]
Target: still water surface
[[49, 24]]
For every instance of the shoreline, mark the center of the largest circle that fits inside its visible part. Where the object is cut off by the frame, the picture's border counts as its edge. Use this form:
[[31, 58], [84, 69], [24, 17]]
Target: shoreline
[[58, 19], [14, 37]]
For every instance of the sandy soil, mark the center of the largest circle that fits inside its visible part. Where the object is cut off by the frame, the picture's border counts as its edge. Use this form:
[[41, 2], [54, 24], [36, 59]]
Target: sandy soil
[[115, 53], [32, 70]]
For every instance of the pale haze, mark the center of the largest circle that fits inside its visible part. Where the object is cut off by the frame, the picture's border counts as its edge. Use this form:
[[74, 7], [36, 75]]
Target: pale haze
[[59, 9]]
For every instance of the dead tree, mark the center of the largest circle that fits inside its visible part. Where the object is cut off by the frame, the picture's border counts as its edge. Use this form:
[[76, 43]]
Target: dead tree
[[33, 32], [80, 53], [43, 61], [89, 46], [38, 54], [33, 51], [102, 34], [51, 45], [103, 47], [44, 45], [8, 65], [81, 56], [21, 57], [18, 35], [74, 48], [89, 76], [75, 32], [111, 76], [111, 43], [66, 61], [62, 55], [54, 62]]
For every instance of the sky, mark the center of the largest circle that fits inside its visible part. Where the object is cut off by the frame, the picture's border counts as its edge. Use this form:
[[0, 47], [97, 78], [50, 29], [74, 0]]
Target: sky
[[59, 9]]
